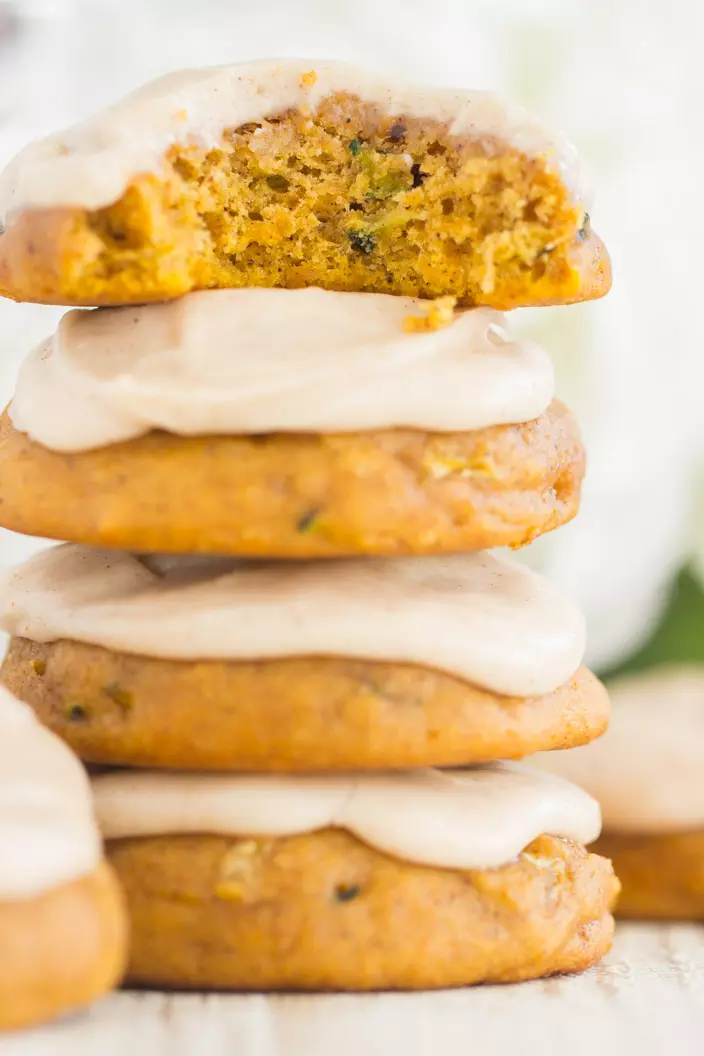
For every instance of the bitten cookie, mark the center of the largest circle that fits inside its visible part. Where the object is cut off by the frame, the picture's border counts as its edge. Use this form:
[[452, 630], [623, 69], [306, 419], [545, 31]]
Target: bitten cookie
[[299, 173]]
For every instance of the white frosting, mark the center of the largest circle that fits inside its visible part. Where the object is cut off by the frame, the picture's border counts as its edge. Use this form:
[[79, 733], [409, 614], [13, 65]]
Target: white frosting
[[463, 819], [91, 164], [48, 834], [647, 770], [485, 619], [262, 360]]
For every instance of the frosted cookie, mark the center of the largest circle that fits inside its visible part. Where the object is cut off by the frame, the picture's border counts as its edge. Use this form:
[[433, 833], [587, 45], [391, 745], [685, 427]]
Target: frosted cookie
[[62, 928], [647, 774], [294, 424], [215, 665], [298, 173], [335, 883]]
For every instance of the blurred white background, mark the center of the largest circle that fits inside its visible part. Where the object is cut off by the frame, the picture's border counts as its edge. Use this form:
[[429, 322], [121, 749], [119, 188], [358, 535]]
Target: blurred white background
[[624, 79]]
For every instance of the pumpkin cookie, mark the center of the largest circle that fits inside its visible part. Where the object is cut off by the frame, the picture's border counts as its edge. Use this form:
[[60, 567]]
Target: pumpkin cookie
[[62, 926], [298, 423], [280, 495], [287, 715], [662, 873], [215, 664], [60, 950], [646, 773], [299, 173], [268, 904]]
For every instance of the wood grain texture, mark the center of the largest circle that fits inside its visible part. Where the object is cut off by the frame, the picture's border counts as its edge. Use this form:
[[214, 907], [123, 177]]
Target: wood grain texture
[[646, 998]]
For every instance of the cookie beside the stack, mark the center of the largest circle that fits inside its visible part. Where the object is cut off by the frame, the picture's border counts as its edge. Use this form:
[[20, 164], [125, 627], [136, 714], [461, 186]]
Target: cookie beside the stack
[[646, 773], [276, 823], [62, 919]]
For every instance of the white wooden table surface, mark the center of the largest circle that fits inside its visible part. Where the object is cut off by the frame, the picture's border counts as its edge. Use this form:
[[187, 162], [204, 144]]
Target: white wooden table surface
[[647, 999]]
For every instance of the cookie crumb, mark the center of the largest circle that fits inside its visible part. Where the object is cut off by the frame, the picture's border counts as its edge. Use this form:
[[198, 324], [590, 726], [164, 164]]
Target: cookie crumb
[[309, 79], [439, 313]]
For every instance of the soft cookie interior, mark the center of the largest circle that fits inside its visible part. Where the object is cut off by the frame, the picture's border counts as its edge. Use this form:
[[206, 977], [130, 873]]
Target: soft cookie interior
[[349, 199]]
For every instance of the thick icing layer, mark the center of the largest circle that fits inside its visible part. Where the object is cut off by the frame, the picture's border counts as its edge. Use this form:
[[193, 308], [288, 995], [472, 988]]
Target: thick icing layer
[[48, 834], [485, 619], [91, 164], [463, 819], [647, 771], [264, 360]]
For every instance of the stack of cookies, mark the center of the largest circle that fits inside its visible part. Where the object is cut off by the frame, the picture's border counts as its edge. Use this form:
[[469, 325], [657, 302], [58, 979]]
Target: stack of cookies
[[276, 621]]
